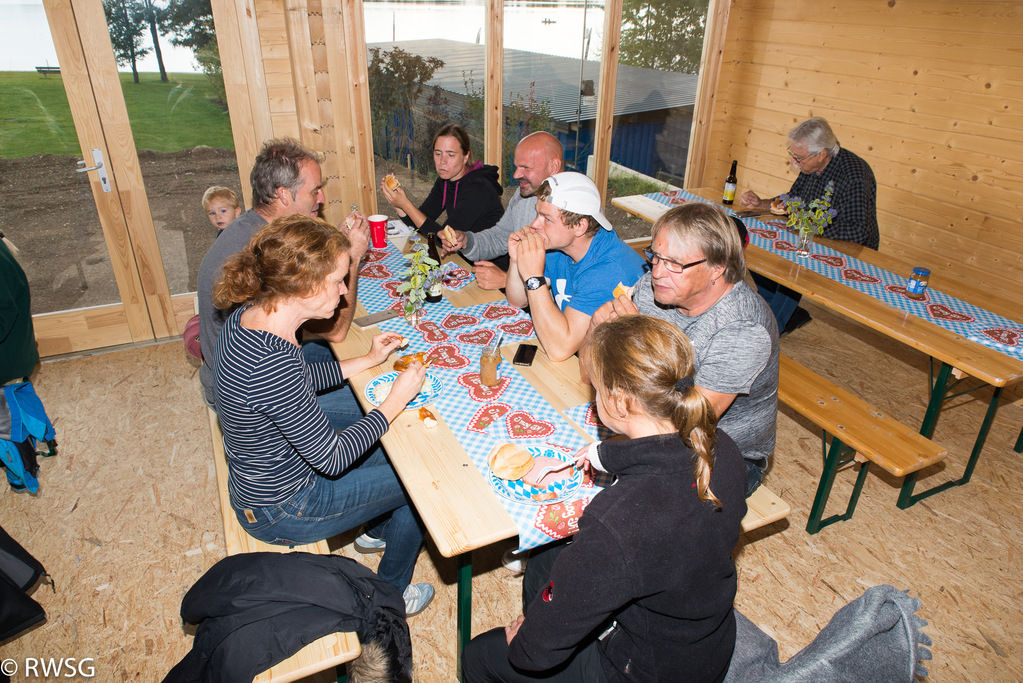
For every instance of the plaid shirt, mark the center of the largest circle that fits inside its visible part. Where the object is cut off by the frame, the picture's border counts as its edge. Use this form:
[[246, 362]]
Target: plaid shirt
[[854, 198]]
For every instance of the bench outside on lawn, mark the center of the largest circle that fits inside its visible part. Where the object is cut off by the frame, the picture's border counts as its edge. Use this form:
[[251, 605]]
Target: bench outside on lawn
[[47, 70]]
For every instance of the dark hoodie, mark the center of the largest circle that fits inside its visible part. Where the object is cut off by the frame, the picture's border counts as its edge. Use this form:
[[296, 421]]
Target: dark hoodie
[[473, 202]]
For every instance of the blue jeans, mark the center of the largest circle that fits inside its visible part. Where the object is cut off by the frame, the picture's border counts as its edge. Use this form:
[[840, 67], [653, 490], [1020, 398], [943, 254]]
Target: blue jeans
[[339, 405], [328, 507], [782, 300], [754, 474]]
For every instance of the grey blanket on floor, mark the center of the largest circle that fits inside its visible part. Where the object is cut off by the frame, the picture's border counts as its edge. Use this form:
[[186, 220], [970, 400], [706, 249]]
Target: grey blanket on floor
[[874, 639]]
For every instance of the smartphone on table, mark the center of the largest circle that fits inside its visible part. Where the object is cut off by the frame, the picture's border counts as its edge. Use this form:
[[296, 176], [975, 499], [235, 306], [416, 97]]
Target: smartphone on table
[[525, 354]]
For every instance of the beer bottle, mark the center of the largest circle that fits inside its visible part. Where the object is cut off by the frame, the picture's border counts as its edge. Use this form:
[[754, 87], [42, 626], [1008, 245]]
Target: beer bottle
[[730, 182]]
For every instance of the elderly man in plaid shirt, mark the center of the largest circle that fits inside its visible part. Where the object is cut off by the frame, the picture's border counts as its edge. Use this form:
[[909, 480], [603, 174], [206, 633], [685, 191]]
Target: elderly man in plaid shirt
[[814, 150]]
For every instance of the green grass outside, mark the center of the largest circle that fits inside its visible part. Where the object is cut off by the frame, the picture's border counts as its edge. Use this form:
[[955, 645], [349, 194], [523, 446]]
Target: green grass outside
[[624, 185], [166, 117]]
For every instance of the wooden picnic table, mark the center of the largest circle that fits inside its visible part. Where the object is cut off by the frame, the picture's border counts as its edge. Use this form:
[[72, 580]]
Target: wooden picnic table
[[957, 354]]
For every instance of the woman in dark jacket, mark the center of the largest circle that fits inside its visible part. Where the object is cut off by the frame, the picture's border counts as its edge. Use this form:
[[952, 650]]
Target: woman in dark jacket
[[644, 590], [469, 191]]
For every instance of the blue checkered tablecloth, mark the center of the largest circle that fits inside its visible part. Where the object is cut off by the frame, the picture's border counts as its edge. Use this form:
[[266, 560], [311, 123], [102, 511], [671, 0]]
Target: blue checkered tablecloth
[[965, 319], [481, 417], [586, 417]]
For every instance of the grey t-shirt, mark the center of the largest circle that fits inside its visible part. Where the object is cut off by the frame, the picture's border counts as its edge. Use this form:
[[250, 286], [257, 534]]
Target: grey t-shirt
[[211, 319], [493, 242], [736, 343]]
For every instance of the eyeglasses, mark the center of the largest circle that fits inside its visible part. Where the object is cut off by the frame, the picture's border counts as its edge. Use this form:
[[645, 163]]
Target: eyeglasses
[[672, 265], [801, 159]]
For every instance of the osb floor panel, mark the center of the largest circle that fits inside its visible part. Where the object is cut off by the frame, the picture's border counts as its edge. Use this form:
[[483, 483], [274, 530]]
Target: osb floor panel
[[128, 518]]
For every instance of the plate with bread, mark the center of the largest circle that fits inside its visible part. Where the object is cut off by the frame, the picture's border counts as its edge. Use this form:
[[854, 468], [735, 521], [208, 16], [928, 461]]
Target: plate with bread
[[513, 471], [380, 387]]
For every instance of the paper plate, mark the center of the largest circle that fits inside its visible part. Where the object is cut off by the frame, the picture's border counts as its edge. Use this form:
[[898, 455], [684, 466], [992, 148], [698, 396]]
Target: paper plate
[[432, 389], [521, 492]]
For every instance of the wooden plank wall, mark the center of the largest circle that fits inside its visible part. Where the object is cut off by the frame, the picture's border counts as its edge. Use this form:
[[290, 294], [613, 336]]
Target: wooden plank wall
[[288, 73], [929, 92]]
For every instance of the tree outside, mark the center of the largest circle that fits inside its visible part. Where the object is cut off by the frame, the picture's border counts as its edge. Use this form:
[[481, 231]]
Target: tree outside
[[663, 34], [125, 21]]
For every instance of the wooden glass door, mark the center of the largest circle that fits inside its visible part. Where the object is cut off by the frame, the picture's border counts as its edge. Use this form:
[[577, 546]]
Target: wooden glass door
[[139, 307]]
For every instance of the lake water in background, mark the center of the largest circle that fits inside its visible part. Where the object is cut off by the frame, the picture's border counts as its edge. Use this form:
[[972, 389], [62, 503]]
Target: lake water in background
[[27, 42]]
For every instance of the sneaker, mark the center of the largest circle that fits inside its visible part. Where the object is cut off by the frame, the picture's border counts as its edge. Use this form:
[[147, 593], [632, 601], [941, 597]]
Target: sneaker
[[514, 561], [800, 318], [368, 545], [418, 597]]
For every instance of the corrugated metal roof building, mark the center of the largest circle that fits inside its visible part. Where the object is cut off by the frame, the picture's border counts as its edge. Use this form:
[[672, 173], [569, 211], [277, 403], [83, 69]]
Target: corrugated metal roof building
[[653, 109]]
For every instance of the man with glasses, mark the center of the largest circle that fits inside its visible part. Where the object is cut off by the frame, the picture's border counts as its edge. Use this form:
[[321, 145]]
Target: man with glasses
[[815, 152], [696, 283], [567, 263]]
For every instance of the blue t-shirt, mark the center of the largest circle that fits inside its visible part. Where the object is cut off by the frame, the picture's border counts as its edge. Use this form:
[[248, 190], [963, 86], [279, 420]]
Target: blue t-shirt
[[590, 283]]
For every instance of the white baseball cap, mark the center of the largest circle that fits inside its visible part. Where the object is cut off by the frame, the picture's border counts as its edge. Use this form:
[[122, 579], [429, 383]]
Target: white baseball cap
[[576, 193]]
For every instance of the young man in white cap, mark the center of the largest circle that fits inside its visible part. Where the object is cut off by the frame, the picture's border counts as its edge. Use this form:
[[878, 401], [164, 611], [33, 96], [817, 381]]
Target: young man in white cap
[[567, 263]]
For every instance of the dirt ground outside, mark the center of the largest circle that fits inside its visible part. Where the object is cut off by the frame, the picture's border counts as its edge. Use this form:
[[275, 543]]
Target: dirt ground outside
[[47, 210]]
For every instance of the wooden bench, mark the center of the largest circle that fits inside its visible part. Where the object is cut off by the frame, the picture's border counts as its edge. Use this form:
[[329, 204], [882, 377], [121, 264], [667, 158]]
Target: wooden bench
[[47, 70], [763, 508], [856, 428], [330, 650]]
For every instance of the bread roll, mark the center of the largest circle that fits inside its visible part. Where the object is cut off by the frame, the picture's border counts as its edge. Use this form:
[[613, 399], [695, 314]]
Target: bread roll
[[392, 182], [510, 461]]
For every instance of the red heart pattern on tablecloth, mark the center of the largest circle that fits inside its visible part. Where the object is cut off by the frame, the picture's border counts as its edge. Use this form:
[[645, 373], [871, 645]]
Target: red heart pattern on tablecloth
[[783, 245], [495, 312], [375, 271], [486, 416], [481, 337], [778, 223], [899, 289], [522, 425], [943, 312], [431, 332], [446, 356], [455, 320], [836, 261], [560, 520], [671, 193], [391, 288], [859, 276], [675, 201], [592, 418], [766, 234], [522, 328], [374, 256], [480, 392], [456, 274], [1004, 335]]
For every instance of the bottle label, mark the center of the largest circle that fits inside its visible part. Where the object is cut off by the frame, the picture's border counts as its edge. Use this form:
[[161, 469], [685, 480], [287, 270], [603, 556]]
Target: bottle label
[[729, 192], [916, 286]]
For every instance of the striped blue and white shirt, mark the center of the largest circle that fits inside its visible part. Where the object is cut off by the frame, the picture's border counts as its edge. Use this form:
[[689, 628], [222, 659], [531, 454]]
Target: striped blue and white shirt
[[276, 437]]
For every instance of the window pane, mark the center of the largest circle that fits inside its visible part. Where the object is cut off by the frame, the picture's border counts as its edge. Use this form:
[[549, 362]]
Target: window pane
[[426, 70], [661, 44]]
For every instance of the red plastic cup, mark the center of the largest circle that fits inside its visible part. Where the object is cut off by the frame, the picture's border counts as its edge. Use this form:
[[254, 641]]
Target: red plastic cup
[[378, 230]]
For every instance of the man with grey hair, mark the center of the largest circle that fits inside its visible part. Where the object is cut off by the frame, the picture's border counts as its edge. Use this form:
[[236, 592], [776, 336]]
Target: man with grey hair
[[696, 284], [815, 152], [537, 156], [285, 180]]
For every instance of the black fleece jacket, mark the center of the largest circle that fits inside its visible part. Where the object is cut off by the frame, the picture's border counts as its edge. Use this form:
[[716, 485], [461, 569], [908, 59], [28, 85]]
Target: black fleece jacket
[[473, 202], [650, 556]]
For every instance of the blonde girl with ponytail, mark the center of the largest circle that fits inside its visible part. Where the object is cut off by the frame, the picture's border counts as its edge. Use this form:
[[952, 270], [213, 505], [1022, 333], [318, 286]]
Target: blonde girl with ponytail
[[643, 591]]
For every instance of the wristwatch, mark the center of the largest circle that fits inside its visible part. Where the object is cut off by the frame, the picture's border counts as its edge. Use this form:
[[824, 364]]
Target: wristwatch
[[534, 283]]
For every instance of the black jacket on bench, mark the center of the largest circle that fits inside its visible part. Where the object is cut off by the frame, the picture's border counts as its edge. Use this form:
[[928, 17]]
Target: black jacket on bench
[[255, 610]]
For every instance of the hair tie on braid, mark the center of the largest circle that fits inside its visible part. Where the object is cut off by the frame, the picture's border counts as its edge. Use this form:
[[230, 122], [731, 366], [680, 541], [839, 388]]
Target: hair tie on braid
[[684, 383]]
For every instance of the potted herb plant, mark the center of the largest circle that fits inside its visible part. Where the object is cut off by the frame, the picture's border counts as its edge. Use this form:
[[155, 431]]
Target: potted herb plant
[[417, 279], [810, 220]]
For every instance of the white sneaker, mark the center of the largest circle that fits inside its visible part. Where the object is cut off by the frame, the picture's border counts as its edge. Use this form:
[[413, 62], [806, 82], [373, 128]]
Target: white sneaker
[[514, 561], [418, 597], [367, 545]]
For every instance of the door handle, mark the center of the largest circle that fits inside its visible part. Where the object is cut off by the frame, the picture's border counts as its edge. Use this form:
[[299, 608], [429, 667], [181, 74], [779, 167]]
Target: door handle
[[99, 167]]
